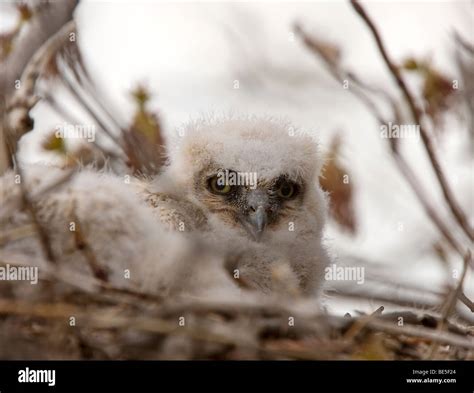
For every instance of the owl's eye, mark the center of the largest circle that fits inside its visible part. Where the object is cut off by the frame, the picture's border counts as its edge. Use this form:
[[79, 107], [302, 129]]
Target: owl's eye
[[217, 186], [286, 190]]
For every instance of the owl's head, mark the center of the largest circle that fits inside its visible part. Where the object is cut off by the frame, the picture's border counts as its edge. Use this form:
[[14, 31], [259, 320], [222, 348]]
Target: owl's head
[[256, 174]]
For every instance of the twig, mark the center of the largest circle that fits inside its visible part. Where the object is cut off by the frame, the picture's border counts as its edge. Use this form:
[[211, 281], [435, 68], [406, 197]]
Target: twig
[[338, 73], [360, 323], [35, 196], [417, 116], [46, 22], [67, 83], [450, 303], [43, 235], [59, 182], [85, 283], [83, 245], [22, 100], [422, 332], [13, 234], [466, 301], [60, 110]]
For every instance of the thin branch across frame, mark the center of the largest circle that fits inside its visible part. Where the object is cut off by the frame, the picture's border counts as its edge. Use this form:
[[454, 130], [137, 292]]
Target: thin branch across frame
[[416, 112]]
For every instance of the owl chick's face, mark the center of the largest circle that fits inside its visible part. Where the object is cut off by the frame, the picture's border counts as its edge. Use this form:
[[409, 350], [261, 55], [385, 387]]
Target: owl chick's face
[[241, 199], [254, 174]]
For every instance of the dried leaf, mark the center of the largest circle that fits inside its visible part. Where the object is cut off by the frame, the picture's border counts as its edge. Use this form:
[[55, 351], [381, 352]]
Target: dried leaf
[[437, 88], [335, 180], [328, 51], [25, 12], [144, 141], [54, 143]]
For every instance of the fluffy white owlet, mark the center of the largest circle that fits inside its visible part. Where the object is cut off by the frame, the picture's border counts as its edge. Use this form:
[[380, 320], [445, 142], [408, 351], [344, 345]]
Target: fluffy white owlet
[[251, 186]]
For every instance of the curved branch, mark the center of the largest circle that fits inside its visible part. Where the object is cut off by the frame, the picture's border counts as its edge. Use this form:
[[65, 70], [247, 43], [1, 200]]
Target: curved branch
[[416, 112]]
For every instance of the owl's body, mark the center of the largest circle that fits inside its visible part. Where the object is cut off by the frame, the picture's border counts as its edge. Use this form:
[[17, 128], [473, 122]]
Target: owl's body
[[188, 228]]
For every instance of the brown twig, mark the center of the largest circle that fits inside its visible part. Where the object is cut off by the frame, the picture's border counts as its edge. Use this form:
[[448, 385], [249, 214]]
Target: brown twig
[[48, 19], [338, 73], [466, 301], [18, 105], [450, 303], [90, 110], [83, 246], [43, 234], [422, 332], [416, 112], [60, 110], [13, 234]]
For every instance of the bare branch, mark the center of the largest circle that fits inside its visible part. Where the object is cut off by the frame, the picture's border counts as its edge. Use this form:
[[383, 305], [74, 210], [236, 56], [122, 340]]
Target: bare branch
[[48, 20], [416, 112], [450, 303], [359, 91], [40, 229]]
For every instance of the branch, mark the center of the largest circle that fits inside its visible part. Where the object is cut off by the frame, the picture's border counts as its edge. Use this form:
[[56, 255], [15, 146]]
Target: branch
[[360, 92], [47, 20], [450, 303], [83, 245], [17, 120], [42, 232], [417, 116]]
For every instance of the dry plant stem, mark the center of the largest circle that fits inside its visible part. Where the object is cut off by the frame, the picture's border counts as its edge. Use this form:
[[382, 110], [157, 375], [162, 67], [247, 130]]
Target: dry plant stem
[[360, 324], [101, 290], [400, 161], [468, 47], [403, 166], [69, 118], [450, 303], [417, 116], [40, 229], [466, 301], [338, 74], [47, 20], [83, 245], [44, 24], [406, 303], [16, 204], [167, 308], [89, 88], [422, 332], [13, 234], [67, 83], [108, 319], [18, 106]]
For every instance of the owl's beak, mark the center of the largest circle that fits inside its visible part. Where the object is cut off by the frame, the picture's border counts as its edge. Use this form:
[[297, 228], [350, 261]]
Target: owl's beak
[[256, 218], [258, 222]]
